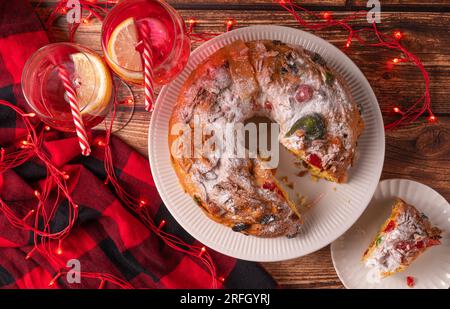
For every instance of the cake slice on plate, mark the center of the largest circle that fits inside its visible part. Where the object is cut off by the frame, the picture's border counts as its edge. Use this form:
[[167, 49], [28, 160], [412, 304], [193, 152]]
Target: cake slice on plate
[[405, 235]]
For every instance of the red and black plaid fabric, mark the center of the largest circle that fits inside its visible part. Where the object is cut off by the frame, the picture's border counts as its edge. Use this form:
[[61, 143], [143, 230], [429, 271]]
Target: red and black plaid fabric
[[106, 238]]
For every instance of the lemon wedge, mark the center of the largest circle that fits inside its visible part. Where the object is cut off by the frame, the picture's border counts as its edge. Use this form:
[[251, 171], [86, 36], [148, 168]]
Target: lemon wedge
[[94, 87], [122, 56]]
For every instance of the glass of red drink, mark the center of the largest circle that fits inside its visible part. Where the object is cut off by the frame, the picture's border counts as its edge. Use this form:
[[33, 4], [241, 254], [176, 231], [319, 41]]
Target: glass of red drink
[[122, 42], [89, 75]]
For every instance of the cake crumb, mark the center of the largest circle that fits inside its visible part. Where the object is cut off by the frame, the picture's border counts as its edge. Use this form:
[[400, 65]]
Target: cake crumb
[[288, 183], [334, 188], [301, 200], [302, 173]]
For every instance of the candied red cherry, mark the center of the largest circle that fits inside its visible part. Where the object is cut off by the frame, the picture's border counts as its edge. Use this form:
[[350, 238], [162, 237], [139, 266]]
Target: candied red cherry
[[420, 244], [410, 281], [303, 93], [389, 227], [315, 160], [269, 186]]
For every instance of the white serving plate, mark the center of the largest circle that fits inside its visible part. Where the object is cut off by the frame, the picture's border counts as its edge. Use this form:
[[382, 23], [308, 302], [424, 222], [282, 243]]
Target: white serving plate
[[340, 205], [430, 270]]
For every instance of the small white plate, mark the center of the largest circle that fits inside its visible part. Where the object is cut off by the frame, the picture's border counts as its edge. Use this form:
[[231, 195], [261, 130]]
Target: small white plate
[[340, 205], [430, 270]]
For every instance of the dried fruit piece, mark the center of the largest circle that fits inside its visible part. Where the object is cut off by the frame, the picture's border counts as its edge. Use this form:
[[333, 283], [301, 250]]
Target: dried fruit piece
[[315, 160], [410, 281], [269, 186], [240, 227], [433, 242], [303, 93], [312, 124], [420, 244], [389, 227], [197, 200], [328, 78], [266, 219], [318, 59], [378, 241]]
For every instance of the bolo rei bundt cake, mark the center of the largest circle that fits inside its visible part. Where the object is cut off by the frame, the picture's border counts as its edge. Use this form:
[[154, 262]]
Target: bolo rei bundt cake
[[319, 122]]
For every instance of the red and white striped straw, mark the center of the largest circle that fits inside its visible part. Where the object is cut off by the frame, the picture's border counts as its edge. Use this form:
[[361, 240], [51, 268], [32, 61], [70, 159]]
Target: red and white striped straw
[[75, 109], [147, 56]]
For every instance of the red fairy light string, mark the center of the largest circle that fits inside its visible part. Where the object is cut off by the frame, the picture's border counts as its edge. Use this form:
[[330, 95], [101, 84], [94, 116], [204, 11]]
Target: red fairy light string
[[320, 21], [96, 9], [204, 36], [44, 239], [325, 20], [137, 206], [417, 109], [45, 211]]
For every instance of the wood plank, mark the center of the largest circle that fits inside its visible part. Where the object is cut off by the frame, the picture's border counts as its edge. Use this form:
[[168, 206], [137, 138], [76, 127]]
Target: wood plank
[[413, 4], [312, 271], [420, 153], [252, 4], [386, 5], [238, 4], [393, 87]]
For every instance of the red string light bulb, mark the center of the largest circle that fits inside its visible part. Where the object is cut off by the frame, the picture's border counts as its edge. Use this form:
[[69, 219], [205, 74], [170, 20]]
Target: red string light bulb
[[53, 281], [230, 23], [161, 224], [191, 22], [327, 15], [100, 142], [349, 40], [96, 11], [398, 35], [142, 203], [30, 254], [37, 194], [28, 215], [202, 251]]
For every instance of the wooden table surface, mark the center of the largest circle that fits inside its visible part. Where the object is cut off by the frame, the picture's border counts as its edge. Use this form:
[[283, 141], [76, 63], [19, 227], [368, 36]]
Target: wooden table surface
[[420, 153]]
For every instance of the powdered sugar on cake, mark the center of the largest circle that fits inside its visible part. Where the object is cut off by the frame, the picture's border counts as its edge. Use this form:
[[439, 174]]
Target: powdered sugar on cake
[[284, 85]]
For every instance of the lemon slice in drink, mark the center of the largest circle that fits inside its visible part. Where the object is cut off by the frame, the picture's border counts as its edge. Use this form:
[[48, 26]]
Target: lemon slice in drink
[[123, 58], [94, 89]]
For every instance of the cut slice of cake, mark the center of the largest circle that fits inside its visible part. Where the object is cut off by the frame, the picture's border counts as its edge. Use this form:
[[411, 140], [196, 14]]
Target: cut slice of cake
[[405, 235]]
